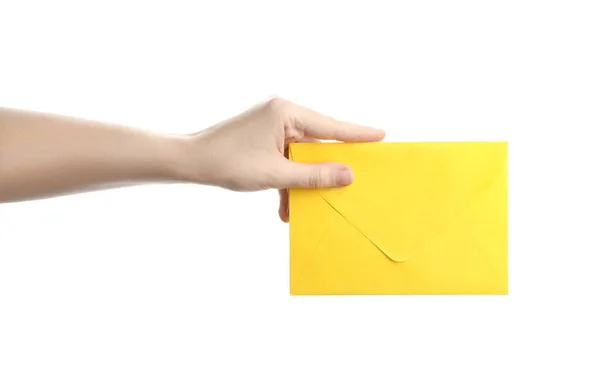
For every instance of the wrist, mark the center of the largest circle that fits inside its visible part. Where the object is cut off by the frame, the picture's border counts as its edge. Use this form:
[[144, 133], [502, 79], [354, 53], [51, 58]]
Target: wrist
[[183, 159], [173, 151]]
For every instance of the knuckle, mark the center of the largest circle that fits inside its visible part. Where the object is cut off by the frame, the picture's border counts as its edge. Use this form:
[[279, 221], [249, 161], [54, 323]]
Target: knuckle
[[282, 111], [292, 133], [277, 105], [320, 179], [314, 180]]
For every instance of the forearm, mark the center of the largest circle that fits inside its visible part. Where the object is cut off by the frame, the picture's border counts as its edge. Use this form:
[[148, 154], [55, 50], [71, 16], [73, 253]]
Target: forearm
[[45, 155]]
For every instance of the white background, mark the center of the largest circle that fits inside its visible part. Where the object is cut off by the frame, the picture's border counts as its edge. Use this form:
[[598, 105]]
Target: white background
[[187, 280]]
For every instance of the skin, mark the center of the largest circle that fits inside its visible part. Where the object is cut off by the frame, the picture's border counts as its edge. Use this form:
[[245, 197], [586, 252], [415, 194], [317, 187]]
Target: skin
[[44, 155]]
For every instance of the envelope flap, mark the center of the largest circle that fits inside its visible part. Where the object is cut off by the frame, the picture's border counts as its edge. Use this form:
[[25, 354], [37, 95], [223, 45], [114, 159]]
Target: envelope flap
[[404, 194]]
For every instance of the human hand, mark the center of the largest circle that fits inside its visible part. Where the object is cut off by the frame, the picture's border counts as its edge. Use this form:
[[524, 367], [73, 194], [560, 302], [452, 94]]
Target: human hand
[[249, 152]]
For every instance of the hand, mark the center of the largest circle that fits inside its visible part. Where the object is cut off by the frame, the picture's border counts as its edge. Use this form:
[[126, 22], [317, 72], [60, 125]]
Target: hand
[[249, 151], [45, 155]]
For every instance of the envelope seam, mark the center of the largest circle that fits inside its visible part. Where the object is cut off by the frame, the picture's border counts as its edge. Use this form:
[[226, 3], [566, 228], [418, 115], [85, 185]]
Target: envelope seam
[[461, 212], [360, 231], [312, 254]]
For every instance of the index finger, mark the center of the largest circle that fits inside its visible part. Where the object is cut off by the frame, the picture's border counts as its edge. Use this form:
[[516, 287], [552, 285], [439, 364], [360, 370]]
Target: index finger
[[320, 126]]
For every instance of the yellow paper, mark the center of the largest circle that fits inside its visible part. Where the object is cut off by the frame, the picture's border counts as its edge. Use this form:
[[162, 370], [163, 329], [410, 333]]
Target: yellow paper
[[420, 218]]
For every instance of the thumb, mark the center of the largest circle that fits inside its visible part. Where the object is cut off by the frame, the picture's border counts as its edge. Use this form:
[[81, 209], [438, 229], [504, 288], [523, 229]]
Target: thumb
[[317, 175]]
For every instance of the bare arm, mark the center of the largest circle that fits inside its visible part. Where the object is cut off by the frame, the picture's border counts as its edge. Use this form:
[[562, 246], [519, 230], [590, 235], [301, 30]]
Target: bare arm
[[44, 155]]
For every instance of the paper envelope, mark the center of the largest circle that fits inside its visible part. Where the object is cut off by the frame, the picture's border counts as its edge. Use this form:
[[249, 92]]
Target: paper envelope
[[420, 218]]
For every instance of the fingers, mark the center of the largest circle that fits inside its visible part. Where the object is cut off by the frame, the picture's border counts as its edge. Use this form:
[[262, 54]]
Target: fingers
[[284, 199], [319, 126], [318, 175]]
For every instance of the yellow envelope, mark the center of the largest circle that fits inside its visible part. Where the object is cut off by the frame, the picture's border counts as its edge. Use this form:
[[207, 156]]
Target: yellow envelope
[[420, 218]]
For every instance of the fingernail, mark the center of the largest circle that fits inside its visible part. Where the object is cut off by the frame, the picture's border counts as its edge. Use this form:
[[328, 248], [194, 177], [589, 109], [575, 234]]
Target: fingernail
[[344, 177]]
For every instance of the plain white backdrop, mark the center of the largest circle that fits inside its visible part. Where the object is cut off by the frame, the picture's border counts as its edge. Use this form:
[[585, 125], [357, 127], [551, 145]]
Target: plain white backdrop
[[186, 280]]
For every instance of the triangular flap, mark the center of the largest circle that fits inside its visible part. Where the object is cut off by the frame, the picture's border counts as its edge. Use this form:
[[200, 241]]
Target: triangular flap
[[405, 194]]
